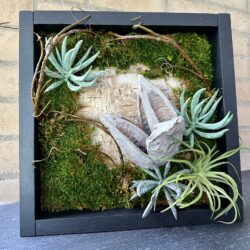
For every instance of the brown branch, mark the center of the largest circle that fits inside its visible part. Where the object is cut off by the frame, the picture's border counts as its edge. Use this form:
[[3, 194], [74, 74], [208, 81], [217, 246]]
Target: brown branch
[[2, 25], [98, 152], [46, 106], [98, 124], [33, 92], [47, 157], [172, 42], [78, 150], [159, 38], [78, 8], [191, 71], [151, 32], [55, 41], [171, 66], [67, 28]]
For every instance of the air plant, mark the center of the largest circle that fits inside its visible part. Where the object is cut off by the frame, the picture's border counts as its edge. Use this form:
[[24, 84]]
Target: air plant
[[66, 68], [201, 113], [171, 191], [205, 178]]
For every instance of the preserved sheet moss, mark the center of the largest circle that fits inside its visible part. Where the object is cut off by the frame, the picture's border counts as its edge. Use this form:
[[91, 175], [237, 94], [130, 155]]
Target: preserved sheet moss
[[76, 176]]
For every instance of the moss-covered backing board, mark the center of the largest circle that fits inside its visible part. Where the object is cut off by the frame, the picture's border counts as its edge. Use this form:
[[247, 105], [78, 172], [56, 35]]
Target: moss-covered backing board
[[71, 180], [130, 122]]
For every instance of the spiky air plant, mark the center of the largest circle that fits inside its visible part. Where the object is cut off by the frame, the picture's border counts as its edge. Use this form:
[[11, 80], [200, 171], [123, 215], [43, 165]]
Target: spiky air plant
[[205, 178], [171, 191], [201, 112], [67, 68]]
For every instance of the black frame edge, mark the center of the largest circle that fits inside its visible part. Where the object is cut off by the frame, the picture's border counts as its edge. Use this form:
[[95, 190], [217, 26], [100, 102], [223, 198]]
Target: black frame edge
[[229, 96], [120, 220], [29, 224], [124, 18], [26, 125]]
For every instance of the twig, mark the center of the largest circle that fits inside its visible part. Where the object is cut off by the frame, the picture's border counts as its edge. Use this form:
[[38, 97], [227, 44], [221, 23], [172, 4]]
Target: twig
[[172, 42], [36, 116], [98, 124], [78, 150], [189, 70], [47, 157], [37, 67], [98, 152], [171, 66], [67, 28], [72, 10], [55, 40], [45, 84], [2, 25], [159, 38]]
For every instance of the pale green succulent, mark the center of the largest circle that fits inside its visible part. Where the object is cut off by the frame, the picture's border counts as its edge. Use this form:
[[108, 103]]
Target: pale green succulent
[[201, 112], [66, 68], [171, 191]]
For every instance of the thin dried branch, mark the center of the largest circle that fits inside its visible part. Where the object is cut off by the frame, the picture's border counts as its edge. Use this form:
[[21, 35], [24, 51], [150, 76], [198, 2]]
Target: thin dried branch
[[47, 157], [4, 26], [151, 32], [34, 89], [78, 150], [82, 151], [77, 8], [168, 67], [33, 92], [77, 118], [67, 28], [191, 71], [172, 42], [46, 106], [37, 85], [159, 38], [44, 86]]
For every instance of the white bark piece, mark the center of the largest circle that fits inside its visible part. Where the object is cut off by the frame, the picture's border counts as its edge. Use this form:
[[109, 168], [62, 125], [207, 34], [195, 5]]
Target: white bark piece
[[117, 94]]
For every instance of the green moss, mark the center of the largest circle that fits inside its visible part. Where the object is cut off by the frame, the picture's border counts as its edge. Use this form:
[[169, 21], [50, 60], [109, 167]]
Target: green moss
[[61, 99], [76, 182], [76, 175], [123, 54]]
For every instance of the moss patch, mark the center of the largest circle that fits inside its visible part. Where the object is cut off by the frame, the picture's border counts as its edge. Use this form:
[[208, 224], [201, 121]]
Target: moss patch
[[123, 54], [76, 176]]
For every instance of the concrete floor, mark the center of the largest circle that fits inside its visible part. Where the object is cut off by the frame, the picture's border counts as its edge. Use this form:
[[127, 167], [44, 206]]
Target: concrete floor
[[216, 236]]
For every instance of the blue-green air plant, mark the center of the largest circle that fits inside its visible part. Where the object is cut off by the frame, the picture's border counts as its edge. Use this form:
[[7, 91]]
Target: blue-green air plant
[[67, 68], [201, 112], [172, 191]]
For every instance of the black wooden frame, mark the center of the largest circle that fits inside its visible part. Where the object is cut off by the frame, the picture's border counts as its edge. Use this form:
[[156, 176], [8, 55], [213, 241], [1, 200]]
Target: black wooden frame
[[32, 221]]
